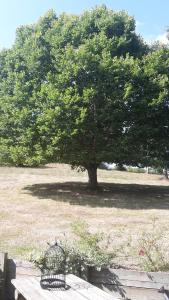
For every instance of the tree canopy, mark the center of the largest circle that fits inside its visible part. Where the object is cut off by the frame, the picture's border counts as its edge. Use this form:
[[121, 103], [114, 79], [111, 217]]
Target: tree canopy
[[82, 90]]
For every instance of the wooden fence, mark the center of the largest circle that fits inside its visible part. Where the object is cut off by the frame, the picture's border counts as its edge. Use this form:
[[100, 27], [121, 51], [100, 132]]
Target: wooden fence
[[128, 284]]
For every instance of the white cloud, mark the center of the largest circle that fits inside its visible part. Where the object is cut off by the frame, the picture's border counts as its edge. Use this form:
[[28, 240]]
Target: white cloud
[[162, 39], [150, 38], [138, 23]]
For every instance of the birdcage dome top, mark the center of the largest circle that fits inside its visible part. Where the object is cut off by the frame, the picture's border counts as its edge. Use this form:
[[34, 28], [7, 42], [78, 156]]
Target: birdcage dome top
[[55, 249]]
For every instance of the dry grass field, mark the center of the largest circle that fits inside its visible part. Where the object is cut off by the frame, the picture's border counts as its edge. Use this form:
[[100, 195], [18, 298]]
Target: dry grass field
[[37, 205]]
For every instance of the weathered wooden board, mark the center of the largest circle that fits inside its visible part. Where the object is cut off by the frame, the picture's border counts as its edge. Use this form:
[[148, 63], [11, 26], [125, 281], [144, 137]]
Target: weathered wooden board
[[3, 260], [132, 284], [130, 278], [77, 289], [17, 268], [132, 293]]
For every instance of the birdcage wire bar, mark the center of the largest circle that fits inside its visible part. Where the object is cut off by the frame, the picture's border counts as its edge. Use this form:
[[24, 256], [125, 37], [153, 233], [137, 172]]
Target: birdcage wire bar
[[53, 273]]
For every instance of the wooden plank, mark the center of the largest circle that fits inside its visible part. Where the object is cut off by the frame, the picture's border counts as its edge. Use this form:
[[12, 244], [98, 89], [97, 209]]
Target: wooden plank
[[23, 268], [134, 293], [3, 260], [37, 293], [111, 280], [130, 278], [137, 284], [161, 277], [30, 288], [67, 294], [17, 268], [26, 287], [86, 289]]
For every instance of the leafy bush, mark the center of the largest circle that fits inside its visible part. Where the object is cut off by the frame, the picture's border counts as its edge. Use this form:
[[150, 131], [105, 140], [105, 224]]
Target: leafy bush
[[92, 246], [158, 170], [153, 250], [136, 170], [88, 249]]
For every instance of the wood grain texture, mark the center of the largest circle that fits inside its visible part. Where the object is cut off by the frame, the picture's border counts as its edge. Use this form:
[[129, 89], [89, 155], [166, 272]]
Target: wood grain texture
[[77, 289], [153, 280], [133, 285], [120, 283]]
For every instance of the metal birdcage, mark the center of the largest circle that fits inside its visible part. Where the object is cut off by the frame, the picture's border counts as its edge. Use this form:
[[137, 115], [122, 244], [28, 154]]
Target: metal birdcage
[[53, 273]]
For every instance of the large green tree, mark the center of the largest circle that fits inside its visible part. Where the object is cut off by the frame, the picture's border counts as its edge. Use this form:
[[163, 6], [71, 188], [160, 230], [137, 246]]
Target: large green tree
[[147, 131], [157, 69], [65, 88]]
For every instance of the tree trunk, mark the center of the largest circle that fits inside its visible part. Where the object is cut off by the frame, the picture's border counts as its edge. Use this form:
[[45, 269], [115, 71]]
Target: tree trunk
[[92, 173], [166, 172]]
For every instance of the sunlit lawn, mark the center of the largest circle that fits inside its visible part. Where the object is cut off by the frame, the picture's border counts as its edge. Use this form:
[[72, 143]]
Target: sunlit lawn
[[38, 205]]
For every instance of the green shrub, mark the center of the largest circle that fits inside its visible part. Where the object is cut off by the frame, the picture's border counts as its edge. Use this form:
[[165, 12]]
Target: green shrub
[[91, 246], [158, 171], [136, 170], [87, 249], [153, 250]]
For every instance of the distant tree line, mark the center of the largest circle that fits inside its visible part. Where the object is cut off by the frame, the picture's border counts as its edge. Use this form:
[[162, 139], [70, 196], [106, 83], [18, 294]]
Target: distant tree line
[[83, 90]]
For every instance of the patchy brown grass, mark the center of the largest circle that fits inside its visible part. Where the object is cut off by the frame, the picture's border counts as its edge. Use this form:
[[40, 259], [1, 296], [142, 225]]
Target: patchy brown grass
[[38, 205]]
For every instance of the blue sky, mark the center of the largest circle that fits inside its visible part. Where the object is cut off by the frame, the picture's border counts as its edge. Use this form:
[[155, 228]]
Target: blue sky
[[151, 15]]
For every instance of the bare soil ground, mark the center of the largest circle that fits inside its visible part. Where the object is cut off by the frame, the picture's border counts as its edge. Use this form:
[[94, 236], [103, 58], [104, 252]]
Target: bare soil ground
[[37, 205]]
